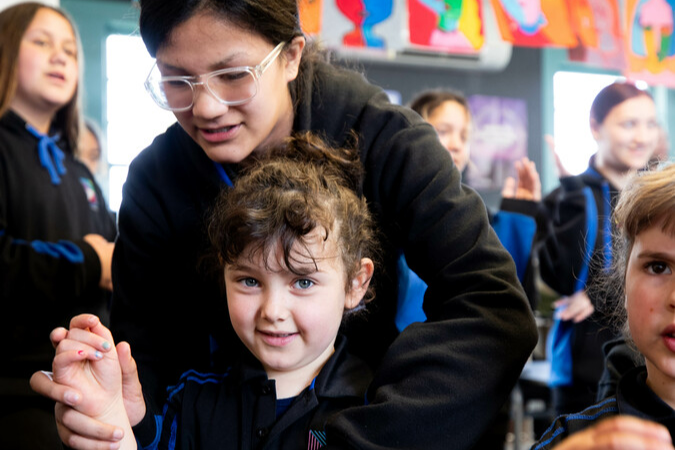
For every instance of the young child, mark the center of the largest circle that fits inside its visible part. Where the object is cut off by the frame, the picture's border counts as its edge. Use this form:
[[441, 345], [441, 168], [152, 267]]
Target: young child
[[644, 281], [55, 229], [296, 244]]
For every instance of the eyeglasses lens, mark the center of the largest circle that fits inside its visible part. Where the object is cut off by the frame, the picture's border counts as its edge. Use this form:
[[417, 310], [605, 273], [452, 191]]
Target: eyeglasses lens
[[232, 87]]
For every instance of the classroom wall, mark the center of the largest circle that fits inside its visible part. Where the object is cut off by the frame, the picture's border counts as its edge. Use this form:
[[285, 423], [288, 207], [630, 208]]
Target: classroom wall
[[528, 76], [521, 79]]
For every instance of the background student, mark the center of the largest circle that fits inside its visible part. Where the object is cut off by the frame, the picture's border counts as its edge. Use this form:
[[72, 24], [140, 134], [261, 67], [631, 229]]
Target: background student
[[279, 86], [575, 246], [55, 230]]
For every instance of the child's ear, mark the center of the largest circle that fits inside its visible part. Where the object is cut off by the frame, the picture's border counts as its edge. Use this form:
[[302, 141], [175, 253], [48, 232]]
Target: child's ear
[[359, 284]]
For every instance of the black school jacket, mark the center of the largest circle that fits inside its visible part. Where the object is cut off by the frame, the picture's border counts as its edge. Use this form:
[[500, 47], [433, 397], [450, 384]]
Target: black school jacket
[[445, 379], [47, 272], [236, 409], [633, 398]]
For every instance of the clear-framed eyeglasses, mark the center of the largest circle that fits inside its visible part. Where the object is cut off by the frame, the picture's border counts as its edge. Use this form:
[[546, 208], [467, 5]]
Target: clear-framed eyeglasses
[[233, 86]]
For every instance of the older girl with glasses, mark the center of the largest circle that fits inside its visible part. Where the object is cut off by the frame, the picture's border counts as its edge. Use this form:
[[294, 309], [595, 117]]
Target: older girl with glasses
[[55, 230], [446, 378]]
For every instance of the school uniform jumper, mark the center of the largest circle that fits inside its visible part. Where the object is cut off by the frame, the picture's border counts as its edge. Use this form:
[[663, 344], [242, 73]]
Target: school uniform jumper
[[445, 380], [48, 202], [237, 409], [633, 397], [575, 247]]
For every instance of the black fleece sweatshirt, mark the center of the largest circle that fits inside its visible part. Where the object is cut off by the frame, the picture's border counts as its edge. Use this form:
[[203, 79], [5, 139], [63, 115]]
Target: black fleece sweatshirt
[[437, 384]]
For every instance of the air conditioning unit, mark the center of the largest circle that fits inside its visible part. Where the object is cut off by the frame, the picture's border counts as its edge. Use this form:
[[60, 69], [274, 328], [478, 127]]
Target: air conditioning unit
[[494, 55]]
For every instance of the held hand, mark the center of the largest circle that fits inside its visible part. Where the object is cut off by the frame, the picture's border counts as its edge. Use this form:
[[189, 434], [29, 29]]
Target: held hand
[[528, 186], [104, 250], [562, 171], [87, 360], [76, 429], [620, 433], [576, 307]]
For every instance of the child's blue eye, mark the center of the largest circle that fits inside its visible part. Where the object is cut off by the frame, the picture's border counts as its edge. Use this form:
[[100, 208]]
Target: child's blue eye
[[304, 283], [250, 282]]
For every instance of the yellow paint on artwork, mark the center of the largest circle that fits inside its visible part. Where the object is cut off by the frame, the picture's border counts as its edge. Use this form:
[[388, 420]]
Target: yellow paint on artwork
[[470, 23]]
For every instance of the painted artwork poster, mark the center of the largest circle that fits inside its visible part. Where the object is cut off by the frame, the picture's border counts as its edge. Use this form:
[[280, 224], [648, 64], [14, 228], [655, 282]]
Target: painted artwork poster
[[597, 25], [364, 15], [649, 41], [454, 26], [534, 23], [498, 139], [310, 16]]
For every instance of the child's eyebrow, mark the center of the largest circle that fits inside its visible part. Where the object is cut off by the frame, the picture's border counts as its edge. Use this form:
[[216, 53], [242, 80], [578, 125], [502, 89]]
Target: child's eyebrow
[[656, 255]]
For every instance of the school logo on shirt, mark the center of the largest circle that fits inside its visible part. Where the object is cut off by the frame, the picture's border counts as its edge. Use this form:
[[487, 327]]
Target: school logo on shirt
[[90, 192], [317, 439]]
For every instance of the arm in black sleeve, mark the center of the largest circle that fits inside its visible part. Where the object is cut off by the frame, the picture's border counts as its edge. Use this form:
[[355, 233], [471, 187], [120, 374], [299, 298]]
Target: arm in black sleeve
[[161, 305], [562, 234], [441, 382], [48, 273]]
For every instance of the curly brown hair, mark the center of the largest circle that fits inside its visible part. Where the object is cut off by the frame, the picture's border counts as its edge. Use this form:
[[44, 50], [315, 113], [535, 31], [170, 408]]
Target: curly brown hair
[[293, 189]]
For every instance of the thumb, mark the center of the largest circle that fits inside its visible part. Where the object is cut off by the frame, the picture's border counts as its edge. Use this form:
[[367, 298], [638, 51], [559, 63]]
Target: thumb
[[132, 390]]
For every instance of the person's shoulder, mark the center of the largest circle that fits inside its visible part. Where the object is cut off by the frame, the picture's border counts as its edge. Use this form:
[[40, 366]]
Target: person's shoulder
[[338, 85]]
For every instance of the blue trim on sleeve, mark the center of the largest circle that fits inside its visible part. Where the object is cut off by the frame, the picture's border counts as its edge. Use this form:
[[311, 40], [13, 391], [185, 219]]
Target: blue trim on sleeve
[[579, 416], [61, 249], [158, 433], [174, 432], [197, 377]]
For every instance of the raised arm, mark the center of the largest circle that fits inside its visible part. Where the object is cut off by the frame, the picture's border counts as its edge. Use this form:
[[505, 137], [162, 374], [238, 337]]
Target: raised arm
[[445, 378]]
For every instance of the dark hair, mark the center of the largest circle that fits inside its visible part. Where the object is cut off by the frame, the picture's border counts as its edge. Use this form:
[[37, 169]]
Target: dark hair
[[290, 191], [426, 102], [648, 199], [14, 21], [274, 20], [613, 95]]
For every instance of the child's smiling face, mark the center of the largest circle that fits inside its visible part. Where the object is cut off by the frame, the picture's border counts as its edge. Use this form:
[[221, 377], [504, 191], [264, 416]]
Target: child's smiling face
[[290, 321], [650, 303]]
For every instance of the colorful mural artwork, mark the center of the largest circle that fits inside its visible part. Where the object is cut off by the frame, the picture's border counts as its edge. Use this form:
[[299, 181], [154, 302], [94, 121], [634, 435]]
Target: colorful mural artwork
[[364, 15], [597, 25], [449, 25], [649, 40], [534, 23], [310, 16]]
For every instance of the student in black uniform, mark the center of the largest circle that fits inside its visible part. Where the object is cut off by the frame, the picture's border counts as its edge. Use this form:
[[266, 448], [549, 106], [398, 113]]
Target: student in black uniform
[[240, 78], [295, 244], [643, 280], [575, 244], [55, 230]]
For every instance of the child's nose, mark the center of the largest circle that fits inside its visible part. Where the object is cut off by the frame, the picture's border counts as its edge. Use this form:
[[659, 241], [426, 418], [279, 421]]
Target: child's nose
[[274, 307]]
